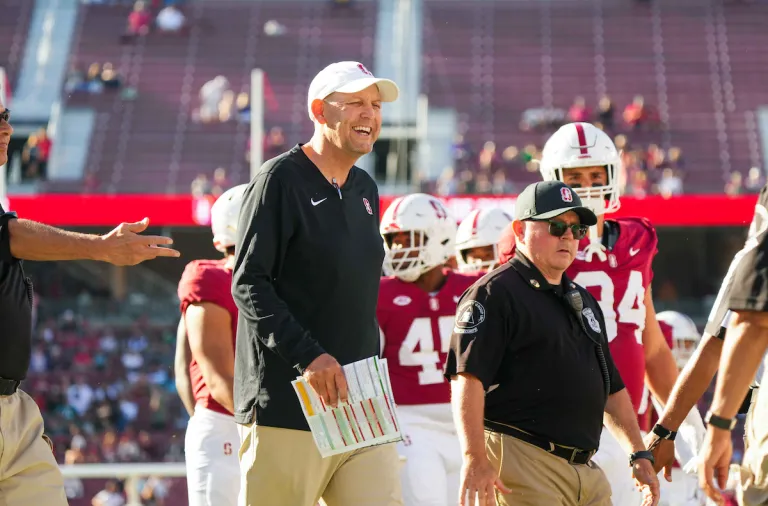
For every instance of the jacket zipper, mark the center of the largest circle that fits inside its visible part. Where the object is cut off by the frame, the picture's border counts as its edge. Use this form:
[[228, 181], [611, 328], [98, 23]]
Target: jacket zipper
[[336, 185]]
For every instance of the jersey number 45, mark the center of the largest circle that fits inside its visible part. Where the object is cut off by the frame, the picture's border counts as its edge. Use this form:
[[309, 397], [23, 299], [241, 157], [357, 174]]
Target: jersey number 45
[[422, 336]]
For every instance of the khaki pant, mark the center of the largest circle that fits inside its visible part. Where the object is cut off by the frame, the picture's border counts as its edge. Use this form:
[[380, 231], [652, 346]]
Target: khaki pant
[[538, 478], [29, 474], [282, 467], [753, 490]]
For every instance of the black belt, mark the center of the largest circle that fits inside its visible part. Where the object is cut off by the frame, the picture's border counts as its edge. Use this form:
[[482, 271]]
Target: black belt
[[569, 453], [8, 387]]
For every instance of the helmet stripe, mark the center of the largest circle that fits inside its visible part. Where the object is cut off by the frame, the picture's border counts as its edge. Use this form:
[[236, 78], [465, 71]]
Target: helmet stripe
[[474, 221], [582, 138]]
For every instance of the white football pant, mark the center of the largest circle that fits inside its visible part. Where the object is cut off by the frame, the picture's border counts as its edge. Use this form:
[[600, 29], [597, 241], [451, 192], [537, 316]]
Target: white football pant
[[213, 469], [614, 462], [431, 474], [683, 491]]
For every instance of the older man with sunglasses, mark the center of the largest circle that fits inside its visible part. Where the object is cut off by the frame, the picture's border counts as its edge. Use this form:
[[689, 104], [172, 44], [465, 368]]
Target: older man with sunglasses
[[533, 376]]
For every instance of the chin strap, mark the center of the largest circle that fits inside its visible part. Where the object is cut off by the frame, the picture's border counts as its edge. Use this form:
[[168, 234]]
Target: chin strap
[[595, 246]]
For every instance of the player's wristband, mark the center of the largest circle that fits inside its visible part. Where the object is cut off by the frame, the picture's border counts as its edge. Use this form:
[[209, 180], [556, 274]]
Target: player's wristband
[[642, 454], [663, 432], [719, 422]]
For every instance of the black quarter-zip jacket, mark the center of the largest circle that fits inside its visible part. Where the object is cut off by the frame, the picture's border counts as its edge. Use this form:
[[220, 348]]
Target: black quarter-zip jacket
[[306, 281]]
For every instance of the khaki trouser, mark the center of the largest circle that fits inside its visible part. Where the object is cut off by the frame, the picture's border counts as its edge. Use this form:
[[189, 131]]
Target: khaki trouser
[[29, 474], [753, 490], [538, 478], [282, 467]]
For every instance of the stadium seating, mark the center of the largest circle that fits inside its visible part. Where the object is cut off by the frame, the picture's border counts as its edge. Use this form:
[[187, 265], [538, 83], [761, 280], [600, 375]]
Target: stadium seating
[[151, 144], [14, 24], [683, 55]]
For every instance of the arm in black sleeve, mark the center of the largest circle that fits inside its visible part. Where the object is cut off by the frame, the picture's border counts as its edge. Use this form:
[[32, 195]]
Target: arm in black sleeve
[[480, 333], [263, 233], [5, 236]]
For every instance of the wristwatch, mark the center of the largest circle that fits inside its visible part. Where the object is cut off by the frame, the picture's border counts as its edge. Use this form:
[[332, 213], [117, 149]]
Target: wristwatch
[[642, 454], [663, 432], [719, 422]]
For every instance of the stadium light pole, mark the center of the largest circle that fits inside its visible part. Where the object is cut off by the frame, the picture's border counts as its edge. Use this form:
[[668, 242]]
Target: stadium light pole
[[257, 120]]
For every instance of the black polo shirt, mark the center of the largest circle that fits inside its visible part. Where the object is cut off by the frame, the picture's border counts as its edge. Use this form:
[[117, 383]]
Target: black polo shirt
[[520, 337], [15, 309]]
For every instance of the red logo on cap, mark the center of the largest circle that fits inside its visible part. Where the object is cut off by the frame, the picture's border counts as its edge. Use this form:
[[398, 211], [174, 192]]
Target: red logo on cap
[[364, 70], [566, 194]]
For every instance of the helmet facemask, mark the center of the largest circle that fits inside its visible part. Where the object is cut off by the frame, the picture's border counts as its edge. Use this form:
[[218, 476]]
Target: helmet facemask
[[472, 266], [409, 261], [600, 199]]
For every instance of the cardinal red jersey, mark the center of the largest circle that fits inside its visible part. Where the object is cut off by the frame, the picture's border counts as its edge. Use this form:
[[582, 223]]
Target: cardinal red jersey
[[207, 281], [416, 331], [619, 283]]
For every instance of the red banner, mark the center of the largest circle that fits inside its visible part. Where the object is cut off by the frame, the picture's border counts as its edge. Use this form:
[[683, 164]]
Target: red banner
[[183, 210]]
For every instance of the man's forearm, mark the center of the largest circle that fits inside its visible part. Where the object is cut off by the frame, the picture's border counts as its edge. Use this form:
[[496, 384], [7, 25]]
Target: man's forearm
[[34, 241], [468, 403], [692, 382], [621, 421], [745, 343], [660, 374]]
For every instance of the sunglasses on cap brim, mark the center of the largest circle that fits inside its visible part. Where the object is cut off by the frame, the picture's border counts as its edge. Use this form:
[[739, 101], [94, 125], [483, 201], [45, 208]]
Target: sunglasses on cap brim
[[558, 229]]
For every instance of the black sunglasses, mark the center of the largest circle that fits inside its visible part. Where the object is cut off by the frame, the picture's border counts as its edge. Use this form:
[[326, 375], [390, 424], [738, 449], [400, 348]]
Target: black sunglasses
[[6, 115], [558, 228]]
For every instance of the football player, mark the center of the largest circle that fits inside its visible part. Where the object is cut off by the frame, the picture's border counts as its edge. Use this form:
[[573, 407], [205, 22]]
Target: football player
[[682, 337], [210, 319], [477, 238], [614, 264], [417, 303]]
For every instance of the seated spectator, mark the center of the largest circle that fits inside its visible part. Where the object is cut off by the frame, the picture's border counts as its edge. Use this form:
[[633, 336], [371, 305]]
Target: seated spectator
[[213, 97], [638, 115], [75, 80], [488, 160], [605, 114], [243, 106], [139, 21], [39, 360], [73, 487], [274, 144], [80, 396], [170, 20], [200, 186], [734, 186], [670, 184], [220, 182], [110, 77], [93, 78], [755, 181], [110, 496], [579, 111], [82, 360]]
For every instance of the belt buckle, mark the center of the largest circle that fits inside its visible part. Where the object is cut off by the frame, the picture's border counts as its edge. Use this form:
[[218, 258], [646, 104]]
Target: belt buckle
[[574, 452]]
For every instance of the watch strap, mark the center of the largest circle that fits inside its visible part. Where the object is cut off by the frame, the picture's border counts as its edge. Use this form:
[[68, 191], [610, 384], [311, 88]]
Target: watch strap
[[642, 454], [719, 422], [663, 432]]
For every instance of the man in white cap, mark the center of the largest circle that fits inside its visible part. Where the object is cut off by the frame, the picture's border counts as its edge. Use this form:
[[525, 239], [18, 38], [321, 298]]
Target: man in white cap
[[306, 279]]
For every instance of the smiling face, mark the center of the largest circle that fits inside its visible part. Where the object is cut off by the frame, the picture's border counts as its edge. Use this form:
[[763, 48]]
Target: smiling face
[[5, 134], [351, 121]]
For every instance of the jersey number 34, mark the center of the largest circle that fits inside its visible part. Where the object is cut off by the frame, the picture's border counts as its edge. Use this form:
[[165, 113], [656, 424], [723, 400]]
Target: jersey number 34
[[421, 336], [634, 295]]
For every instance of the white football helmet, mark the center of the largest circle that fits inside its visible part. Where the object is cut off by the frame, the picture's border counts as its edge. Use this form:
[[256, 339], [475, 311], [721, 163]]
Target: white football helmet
[[584, 145], [482, 227], [225, 213], [685, 336], [432, 229]]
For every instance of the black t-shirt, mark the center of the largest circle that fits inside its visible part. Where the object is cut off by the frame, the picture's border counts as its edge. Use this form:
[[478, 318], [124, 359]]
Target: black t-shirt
[[540, 369], [15, 309], [745, 286], [306, 282]]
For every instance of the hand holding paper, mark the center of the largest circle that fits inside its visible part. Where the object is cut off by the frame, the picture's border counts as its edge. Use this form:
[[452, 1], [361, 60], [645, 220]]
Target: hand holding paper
[[326, 377], [367, 417]]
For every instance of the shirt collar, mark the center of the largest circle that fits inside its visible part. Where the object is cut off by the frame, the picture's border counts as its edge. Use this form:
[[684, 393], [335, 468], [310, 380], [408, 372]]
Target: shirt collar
[[533, 276]]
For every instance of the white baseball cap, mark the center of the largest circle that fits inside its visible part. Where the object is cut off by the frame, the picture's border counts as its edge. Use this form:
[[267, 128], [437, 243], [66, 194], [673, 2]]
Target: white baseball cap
[[348, 77]]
